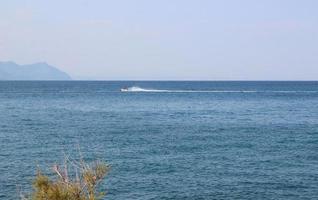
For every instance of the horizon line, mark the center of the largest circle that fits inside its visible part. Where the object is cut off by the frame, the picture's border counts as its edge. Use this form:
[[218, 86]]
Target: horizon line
[[176, 80]]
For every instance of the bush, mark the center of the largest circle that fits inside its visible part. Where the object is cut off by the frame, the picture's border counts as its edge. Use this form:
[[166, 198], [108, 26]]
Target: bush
[[81, 185]]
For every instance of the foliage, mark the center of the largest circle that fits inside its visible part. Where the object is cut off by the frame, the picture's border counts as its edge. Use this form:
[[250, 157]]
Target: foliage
[[81, 185]]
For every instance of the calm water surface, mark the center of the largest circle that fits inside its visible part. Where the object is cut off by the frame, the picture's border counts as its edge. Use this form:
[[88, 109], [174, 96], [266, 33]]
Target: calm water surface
[[173, 140]]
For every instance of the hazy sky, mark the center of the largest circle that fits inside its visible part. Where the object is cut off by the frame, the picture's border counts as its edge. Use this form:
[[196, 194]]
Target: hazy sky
[[165, 39]]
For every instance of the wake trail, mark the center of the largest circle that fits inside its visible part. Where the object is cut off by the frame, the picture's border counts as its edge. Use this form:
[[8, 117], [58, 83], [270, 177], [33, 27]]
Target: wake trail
[[139, 89]]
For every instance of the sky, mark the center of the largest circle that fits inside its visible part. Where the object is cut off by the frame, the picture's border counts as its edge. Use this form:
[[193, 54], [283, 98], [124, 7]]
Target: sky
[[164, 39]]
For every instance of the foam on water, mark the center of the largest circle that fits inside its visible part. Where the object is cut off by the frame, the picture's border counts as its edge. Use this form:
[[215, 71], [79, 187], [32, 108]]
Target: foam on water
[[139, 89]]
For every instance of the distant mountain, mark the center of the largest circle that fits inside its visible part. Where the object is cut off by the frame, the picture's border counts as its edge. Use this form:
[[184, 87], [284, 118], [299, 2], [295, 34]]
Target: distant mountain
[[37, 71]]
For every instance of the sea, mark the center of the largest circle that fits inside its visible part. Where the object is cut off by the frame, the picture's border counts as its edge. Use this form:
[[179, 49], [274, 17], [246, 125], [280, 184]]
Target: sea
[[165, 139]]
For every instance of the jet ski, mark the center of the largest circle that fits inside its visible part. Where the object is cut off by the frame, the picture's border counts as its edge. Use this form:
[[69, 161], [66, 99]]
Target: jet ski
[[125, 89]]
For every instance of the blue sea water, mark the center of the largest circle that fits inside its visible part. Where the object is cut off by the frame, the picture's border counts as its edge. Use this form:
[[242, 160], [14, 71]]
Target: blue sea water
[[166, 140]]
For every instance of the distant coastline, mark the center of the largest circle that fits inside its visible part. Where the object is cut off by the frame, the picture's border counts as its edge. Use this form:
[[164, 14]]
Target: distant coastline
[[37, 71]]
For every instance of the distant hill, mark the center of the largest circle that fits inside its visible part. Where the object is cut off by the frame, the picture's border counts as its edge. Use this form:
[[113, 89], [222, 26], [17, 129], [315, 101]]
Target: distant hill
[[37, 71]]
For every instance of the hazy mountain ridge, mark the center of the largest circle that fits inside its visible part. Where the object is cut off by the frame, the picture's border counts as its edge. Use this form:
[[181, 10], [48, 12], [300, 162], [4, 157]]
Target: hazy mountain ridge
[[38, 71]]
